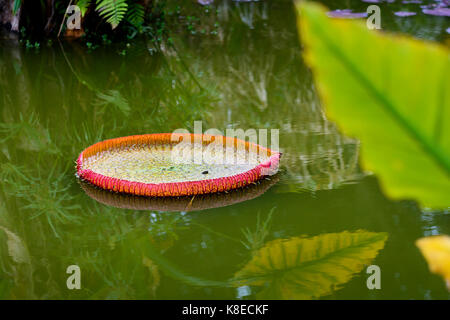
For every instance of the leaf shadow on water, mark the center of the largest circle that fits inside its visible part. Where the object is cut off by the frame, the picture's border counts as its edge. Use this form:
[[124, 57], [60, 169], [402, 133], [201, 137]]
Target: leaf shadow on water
[[309, 268], [295, 268]]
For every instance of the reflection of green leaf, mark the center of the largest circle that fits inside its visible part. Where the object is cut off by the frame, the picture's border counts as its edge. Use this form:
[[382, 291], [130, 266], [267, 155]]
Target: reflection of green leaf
[[299, 268], [392, 93]]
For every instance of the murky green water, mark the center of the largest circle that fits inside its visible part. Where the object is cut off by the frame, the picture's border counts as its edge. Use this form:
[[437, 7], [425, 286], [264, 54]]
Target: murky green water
[[241, 69]]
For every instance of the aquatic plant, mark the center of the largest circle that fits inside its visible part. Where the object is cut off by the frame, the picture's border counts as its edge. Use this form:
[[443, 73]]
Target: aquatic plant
[[256, 239], [43, 194]]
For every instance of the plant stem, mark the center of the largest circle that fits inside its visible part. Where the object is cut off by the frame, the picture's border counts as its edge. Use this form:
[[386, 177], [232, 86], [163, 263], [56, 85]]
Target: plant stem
[[64, 18]]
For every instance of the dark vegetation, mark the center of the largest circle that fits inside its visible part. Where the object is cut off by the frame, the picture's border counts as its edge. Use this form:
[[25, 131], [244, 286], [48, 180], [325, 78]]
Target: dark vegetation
[[100, 19]]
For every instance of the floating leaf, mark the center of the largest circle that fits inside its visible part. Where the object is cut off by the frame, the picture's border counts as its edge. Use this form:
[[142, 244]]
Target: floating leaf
[[306, 268], [404, 13], [378, 1], [346, 14], [392, 93], [205, 2], [436, 250], [439, 11]]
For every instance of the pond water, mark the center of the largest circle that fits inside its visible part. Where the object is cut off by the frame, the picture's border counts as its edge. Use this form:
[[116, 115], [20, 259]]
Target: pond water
[[231, 65]]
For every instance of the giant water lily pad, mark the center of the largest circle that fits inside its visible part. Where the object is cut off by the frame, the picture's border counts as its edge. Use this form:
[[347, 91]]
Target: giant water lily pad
[[175, 164]]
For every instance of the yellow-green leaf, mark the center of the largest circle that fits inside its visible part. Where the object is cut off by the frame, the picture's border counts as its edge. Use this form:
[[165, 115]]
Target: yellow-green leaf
[[391, 92], [436, 250], [306, 268]]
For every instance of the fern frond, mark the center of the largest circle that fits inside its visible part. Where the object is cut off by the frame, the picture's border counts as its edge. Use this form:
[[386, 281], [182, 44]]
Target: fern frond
[[135, 15], [83, 5], [112, 10], [16, 6]]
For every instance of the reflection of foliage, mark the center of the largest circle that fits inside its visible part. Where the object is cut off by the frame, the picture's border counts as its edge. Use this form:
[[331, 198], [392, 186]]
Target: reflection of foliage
[[29, 133], [113, 249], [115, 270], [420, 26], [114, 98], [305, 268], [436, 250], [255, 240], [165, 227], [405, 144], [41, 194], [87, 101], [257, 91]]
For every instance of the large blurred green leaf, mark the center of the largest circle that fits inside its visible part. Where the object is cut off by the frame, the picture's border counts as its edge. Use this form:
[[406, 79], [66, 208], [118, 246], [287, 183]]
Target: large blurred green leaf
[[391, 92], [300, 268]]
